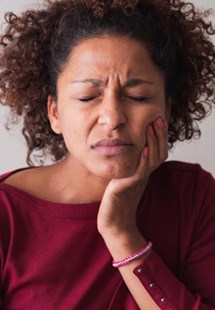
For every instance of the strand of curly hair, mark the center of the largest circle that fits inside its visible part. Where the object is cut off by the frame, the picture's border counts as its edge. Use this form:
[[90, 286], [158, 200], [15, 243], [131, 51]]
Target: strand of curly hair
[[26, 60]]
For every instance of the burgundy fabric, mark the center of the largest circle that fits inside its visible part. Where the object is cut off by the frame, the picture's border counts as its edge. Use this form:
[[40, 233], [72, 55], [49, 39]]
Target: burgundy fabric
[[52, 257]]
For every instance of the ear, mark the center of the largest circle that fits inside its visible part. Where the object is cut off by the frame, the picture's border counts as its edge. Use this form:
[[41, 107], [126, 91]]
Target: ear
[[53, 115]]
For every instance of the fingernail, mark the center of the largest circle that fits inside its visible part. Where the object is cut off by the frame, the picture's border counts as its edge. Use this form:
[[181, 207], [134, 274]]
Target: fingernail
[[150, 129], [146, 151], [160, 122]]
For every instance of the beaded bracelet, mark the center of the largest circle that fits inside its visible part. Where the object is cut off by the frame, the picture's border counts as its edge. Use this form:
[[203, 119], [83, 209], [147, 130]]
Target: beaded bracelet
[[145, 250]]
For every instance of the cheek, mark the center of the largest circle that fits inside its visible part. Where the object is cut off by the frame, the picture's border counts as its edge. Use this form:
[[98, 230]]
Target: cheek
[[153, 114], [143, 119], [75, 133]]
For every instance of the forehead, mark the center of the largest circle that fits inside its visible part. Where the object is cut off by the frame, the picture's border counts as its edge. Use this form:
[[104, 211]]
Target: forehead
[[111, 55]]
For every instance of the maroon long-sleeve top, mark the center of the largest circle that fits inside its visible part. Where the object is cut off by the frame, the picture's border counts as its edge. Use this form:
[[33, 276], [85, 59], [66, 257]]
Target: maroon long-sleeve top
[[52, 256]]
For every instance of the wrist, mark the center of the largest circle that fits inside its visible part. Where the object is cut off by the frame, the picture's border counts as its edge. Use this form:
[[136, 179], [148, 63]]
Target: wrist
[[124, 244], [142, 253], [116, 237]]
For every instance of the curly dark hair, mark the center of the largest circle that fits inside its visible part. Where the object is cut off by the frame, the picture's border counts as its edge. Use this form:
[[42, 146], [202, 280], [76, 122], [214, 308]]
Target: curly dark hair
[[36, 45]]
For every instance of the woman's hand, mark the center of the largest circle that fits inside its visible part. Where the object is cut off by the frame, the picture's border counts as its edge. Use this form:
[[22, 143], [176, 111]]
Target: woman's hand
[[117, 214]]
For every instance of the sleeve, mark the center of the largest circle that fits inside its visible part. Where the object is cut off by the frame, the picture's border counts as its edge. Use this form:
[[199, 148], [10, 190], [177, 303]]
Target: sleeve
[[4, 237], [197, 292]]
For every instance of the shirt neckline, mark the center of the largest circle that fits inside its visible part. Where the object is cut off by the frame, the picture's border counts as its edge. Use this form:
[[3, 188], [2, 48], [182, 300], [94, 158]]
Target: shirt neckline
[[23, 199]]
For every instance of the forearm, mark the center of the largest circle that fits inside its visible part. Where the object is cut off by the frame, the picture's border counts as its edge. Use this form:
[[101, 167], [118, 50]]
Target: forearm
[[149, 280], [152, 284], [122, 247]]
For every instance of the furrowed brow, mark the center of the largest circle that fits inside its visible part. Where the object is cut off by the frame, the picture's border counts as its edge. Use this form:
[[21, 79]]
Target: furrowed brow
[[137, 82]]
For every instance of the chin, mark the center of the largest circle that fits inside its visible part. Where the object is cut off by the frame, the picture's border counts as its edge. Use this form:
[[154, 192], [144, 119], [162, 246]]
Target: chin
[[116, 172]]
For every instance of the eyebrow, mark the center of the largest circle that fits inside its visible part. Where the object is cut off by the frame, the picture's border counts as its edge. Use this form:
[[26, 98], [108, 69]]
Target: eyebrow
[[129, 83], [92, 81], [136, 82]]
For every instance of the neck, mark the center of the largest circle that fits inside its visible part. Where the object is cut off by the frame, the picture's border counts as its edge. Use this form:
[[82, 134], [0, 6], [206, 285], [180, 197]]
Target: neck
[[77, 185]]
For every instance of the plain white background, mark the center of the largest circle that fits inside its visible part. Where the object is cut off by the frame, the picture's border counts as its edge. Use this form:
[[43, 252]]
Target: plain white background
[[12, 144]]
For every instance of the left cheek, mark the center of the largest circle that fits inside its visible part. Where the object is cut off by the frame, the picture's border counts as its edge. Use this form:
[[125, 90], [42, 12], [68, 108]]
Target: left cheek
[[142, 125], [155, 113], [152, 116], [140, 134]]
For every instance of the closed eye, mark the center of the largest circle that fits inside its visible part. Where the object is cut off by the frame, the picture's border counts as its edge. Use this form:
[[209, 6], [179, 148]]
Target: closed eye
[[87, 99], [138, 99]]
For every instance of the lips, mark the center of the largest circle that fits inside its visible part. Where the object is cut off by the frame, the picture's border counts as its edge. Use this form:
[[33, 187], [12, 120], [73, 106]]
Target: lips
[[112, 147]]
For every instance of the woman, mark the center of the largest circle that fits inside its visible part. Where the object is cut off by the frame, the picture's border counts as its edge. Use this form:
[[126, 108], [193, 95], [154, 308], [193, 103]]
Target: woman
[[102, 86]]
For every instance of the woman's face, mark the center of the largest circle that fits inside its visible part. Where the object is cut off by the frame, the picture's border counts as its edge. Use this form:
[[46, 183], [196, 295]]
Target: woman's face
[[108, 93]]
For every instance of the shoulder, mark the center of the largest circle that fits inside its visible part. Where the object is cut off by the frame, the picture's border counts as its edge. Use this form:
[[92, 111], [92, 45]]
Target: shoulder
[[9, 174], [184, 179], [40, 183], [10, 182], [185, 190], [27, 180], [18, 178], [176, 169], [184, 182]]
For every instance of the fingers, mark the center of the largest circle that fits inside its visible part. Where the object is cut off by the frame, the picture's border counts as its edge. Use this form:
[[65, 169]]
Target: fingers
[[161, 132], [153, 155], [156, 137]]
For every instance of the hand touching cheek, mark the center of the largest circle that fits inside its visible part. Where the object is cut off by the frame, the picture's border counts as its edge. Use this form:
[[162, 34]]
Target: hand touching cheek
[[117, 214]]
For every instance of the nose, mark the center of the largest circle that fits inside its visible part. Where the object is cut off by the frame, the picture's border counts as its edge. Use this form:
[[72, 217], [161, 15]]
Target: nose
[[112, 112]]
